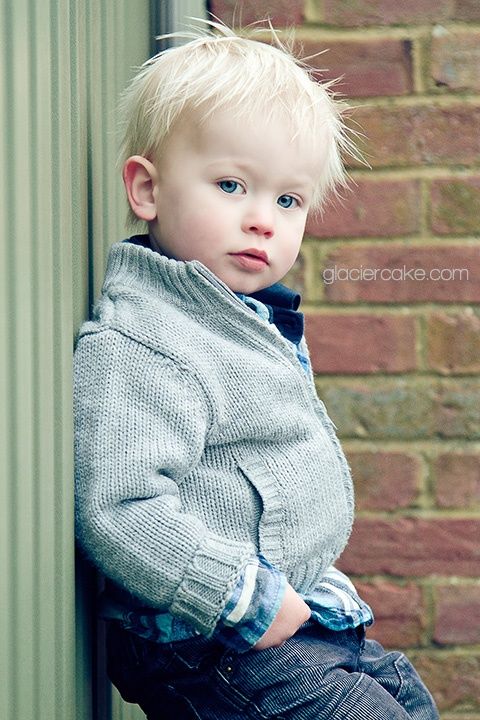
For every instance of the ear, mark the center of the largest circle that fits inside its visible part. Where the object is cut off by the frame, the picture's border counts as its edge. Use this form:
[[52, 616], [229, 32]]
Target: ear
[[140, 177]]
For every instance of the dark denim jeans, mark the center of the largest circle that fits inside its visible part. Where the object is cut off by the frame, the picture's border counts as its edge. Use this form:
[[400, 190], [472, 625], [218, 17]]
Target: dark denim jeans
[[318, 674]]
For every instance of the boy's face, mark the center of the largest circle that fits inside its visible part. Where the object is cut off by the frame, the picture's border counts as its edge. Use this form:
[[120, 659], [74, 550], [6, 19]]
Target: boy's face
[[234, 194]]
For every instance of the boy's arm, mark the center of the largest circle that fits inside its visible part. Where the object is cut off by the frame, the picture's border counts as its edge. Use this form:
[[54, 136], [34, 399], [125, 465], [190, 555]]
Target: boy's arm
[[140, 427]]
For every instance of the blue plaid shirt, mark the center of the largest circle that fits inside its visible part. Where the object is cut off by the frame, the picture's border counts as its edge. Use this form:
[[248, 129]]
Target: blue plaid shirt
[[259, 591]]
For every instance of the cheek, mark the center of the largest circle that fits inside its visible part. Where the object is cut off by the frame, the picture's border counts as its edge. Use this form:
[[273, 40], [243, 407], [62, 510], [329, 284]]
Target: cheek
[[291, 245], [294, 252], [198, 223], [293, 238], [218, 214]]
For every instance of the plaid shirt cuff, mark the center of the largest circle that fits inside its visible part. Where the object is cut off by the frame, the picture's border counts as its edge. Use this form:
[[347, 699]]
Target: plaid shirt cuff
[[252, 606]]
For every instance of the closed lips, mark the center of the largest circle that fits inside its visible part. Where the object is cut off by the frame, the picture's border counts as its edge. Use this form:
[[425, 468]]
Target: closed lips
[[252, 252]]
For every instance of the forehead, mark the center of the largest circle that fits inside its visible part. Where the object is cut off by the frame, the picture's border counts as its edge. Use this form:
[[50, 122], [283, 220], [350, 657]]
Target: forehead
[[238, 137]]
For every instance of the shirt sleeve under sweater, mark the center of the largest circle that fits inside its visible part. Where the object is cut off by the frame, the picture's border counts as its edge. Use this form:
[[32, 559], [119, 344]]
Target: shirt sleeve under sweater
[[131, 458]]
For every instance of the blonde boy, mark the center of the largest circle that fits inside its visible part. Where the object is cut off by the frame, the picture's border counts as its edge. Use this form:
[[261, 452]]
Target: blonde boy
[[211, 489]]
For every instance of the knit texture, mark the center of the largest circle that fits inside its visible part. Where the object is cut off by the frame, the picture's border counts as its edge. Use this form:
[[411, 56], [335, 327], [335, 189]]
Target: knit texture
[[199, 442]]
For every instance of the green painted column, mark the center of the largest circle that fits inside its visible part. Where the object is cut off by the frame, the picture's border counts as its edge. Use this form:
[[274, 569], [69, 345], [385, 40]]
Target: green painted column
[[63, 63], [39, 181]]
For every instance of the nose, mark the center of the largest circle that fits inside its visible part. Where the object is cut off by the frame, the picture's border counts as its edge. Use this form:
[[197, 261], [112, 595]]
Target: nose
[[258, 220]]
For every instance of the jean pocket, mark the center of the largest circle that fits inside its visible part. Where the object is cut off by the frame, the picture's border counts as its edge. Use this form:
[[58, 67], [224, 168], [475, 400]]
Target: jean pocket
[[196, 654]]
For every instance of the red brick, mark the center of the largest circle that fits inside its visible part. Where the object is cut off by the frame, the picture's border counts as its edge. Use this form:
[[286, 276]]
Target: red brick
[[457, 616], [457, 480], [351, 13], [349, 275], [369, 67], [361, 343], [466, 10], [455, 205], [281, 12], [453, 679], [414, 547], [420, 135], [399, 612], [456, 59], [453, 343], [384, 480], [371, 208]]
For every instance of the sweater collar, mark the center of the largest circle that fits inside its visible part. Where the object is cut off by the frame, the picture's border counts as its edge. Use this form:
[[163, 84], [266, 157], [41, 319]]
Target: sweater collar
[[150, 267], [276, 296], [189, 284]]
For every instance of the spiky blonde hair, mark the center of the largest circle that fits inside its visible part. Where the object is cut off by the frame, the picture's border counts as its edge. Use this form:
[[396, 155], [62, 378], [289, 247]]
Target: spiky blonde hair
[[219, 69]]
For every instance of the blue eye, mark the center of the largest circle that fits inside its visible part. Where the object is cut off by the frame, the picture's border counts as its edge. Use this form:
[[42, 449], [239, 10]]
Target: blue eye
[[287, 201], [232, 187]]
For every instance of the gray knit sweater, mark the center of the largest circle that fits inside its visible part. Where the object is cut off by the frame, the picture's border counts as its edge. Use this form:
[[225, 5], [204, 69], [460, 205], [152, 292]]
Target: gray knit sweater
[[199, 442]]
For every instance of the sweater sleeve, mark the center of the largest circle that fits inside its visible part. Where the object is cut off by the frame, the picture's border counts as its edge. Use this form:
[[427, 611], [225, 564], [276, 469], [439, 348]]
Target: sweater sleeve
[[141, 424]]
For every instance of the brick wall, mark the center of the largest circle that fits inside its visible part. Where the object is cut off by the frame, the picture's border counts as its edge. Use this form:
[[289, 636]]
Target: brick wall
[[397, 360]]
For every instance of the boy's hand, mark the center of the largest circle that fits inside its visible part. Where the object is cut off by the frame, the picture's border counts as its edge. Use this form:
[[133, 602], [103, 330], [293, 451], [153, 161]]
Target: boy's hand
[[293, 613]]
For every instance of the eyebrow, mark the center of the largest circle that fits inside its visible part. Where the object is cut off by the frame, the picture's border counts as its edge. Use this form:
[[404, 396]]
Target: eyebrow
[[228, 160]]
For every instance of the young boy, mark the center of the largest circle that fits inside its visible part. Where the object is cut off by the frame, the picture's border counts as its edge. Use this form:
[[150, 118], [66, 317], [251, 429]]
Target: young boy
[[211, 489]]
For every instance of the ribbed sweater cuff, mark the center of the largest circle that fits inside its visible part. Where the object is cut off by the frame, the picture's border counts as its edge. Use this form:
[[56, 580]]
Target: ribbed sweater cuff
[[204, 591]]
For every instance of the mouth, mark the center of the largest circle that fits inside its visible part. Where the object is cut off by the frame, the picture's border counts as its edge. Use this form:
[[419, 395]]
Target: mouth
[[250, 260], [254, 254]]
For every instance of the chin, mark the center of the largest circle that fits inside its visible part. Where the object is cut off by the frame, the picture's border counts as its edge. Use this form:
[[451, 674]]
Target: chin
[[248, 289]]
